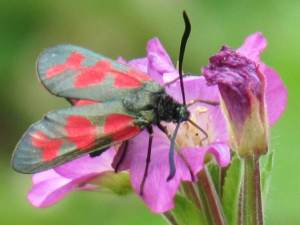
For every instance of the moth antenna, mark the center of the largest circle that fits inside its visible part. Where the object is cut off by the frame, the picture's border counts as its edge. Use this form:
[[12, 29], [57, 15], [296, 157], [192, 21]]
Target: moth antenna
[[171, 154], [184, 39]]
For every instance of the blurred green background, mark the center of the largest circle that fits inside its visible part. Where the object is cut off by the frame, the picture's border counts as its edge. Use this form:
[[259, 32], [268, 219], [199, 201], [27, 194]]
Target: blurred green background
[[122, 28]]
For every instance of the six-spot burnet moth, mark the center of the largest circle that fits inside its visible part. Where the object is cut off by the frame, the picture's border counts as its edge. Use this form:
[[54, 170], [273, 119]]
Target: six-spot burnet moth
[[111, 103]]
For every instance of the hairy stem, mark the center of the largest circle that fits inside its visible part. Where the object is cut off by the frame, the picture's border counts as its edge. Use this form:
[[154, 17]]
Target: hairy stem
[[170, 218], [258, 192], [209, 193], [191, 194], [252, 206]]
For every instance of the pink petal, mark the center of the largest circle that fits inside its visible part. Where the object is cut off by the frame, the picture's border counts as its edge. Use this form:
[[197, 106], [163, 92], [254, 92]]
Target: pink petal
[[195, 88], [87, 166], [170, 76], [221, 152], [276, 93], [253, 46], [214, 123], [140, 64], [157, 64], [158, 193], [159, 60], [196, 156], [44, 176], [49, 187]]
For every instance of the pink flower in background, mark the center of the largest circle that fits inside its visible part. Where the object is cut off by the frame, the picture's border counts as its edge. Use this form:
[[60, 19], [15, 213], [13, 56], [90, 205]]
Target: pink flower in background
[[53, 185], [253, 93]]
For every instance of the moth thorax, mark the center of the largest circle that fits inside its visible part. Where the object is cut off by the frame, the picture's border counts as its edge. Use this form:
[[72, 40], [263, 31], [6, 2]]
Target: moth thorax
[[171, 111]]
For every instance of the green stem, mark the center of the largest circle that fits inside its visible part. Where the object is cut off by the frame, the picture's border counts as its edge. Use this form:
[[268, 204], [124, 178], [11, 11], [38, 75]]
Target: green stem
[[222, 179], [191, 194], [213, 205], [258, 192], [252, 208], [205, 207], [241, 207], [170, 218]]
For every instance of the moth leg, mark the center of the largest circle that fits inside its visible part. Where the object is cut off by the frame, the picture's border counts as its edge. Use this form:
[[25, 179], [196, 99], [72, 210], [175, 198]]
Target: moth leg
[[150, 131], [163, 129], [123, 150]]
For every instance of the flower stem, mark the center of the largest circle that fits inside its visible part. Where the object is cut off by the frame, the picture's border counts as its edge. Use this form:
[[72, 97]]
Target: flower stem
[[209, 193], [252, 208], [191, 194], [241, 207], [170, 218], [260, 216]]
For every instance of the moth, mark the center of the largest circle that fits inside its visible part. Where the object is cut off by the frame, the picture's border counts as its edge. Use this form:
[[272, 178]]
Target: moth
[[111, 103]]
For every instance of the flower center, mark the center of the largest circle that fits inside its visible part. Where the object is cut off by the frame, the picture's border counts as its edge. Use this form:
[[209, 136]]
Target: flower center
[[188, 135]]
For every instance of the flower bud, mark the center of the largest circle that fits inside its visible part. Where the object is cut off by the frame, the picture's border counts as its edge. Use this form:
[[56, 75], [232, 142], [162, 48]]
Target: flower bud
[[242, 89]]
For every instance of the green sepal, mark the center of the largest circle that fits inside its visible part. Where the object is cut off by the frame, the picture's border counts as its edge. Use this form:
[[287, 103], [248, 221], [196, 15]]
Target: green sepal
[[231, 190], [118, 183], [215, 174], [186, 213], [266, 169]]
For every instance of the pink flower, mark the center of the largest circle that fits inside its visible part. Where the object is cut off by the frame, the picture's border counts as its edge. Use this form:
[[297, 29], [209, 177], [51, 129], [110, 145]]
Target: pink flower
[[52, 185], [275, 91], [158, 193], [253, 93]]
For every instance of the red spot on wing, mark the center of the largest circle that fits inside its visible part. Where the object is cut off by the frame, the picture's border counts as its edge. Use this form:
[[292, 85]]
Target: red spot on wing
[[93, 74], [83, 102], [138, 75], [72, 62], [81, 131], [50, 147], [129, 79], [120, 127], [122, 80]]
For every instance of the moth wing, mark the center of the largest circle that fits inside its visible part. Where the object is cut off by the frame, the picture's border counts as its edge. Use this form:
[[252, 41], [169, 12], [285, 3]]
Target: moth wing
[[66, 134], [76, 73]]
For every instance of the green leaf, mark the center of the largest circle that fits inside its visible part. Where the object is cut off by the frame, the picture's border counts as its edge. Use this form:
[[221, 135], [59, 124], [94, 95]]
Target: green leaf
[[231, 190], [186, 213], [266, 169]]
